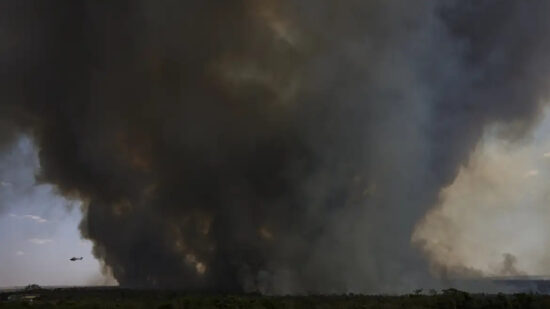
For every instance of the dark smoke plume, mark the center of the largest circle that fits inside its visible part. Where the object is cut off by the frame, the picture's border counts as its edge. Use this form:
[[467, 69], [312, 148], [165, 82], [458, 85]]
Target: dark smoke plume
[[280, 146], [509, 266]]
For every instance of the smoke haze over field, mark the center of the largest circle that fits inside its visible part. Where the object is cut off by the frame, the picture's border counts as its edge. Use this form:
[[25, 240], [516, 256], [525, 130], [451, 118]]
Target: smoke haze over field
[[494, 217], [280, 146]]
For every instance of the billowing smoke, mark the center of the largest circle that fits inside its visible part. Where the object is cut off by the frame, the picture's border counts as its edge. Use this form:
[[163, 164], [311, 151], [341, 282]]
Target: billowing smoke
[[280, 146]]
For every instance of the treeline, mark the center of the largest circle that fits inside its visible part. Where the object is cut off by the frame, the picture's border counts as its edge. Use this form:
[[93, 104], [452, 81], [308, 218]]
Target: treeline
[[120, 298]]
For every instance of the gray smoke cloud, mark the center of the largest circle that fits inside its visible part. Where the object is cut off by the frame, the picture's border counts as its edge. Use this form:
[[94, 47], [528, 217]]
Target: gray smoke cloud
[[285, 147], [17, 170]]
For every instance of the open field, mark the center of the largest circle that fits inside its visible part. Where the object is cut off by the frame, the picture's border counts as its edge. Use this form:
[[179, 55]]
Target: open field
[[127, 298]]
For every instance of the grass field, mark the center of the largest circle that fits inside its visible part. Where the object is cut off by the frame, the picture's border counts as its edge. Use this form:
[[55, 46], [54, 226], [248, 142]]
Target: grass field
[[126, 298]]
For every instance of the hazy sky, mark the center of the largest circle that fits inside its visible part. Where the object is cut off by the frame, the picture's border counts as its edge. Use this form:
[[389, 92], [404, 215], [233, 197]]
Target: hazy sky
[[494, 219], [38, 228]]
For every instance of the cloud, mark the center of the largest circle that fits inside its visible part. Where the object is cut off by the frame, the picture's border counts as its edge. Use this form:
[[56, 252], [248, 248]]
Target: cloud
[[532, 173], [40, 241], [546, 155], [35, 218], [19, 253]]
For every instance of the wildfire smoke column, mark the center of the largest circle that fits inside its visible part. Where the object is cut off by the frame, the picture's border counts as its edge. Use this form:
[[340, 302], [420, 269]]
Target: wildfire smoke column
[[285, 146]]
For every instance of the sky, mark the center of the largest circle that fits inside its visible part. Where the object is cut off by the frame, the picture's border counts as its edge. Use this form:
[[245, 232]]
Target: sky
[[39, 228]]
